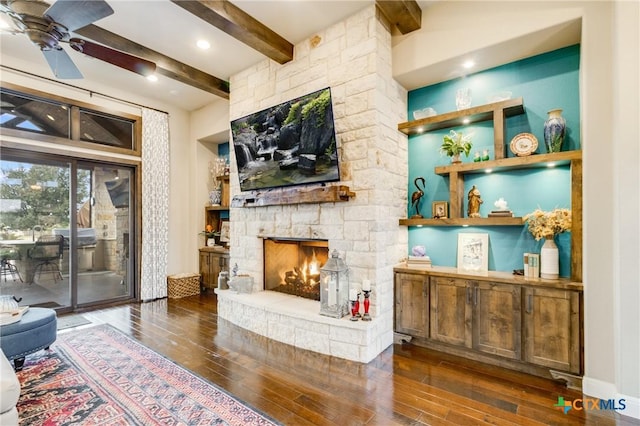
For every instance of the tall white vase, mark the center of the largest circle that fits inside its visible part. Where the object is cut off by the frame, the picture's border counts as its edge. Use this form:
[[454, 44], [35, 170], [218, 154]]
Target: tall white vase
[[549, 260]]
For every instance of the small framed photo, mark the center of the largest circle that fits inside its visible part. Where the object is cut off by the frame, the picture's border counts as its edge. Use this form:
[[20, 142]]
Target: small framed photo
[[224, 231], [440, 210], [473, 253]]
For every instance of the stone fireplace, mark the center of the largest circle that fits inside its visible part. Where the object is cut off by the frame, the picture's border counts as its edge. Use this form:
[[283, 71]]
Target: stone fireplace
[[292, 266], [352, 57]]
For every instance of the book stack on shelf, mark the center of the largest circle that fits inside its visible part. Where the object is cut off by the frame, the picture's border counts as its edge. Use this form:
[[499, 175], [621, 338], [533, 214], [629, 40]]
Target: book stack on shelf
[[419, 262], [531, 265], [501, 213]]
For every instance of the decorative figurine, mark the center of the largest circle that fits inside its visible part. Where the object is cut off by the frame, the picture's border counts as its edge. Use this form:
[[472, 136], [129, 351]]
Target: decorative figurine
[[473, 209], [417, 196]]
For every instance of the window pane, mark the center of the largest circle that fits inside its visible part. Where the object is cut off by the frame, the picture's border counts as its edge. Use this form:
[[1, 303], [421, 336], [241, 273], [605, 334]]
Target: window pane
[[29, 114], [106, 130]]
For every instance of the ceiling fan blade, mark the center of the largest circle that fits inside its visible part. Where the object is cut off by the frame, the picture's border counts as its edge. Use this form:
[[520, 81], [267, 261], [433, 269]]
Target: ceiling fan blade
[[61, 64], [114, 57], [75, 14]]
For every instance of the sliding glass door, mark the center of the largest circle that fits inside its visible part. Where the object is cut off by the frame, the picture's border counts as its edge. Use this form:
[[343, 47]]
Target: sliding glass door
[[65, 228], [103, 233]]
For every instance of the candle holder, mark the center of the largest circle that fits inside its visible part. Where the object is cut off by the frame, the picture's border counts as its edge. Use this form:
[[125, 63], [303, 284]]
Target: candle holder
[[366, 316], [355, 305], [358, 314]]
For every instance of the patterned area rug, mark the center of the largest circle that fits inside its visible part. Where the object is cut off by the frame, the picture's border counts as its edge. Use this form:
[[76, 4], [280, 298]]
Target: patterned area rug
[[99, 376]]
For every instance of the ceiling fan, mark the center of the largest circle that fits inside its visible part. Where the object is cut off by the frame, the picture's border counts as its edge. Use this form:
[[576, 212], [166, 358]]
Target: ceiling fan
[[48, 25]]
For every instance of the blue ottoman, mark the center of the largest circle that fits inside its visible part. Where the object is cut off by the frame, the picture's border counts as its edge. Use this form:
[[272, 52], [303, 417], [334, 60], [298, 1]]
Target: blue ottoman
[[35, 331]]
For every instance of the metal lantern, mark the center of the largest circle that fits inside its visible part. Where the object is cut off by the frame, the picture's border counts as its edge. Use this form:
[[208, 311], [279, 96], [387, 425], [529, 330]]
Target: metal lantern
[[334, 287]]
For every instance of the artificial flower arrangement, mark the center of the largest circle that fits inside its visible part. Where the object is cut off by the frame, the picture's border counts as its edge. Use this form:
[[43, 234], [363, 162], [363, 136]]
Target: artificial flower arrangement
[[548, 224]]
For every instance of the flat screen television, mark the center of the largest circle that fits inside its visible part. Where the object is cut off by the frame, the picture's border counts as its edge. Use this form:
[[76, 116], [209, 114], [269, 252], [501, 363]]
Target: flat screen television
[[293, 143]]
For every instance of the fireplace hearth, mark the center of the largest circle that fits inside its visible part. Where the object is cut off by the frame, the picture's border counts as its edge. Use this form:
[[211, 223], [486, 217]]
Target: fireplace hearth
[[292, 266]]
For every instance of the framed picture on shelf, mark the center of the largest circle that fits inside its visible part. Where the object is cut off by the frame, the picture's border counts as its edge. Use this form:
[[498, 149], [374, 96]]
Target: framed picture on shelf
[[224, 231], [473, 253], [440, 210]]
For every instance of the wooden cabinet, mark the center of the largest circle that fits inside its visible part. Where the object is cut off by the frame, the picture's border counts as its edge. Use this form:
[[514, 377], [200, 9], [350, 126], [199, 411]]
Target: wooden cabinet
[[552, 321], [412, 305], [212, 262], [482, 315], [531, 325]]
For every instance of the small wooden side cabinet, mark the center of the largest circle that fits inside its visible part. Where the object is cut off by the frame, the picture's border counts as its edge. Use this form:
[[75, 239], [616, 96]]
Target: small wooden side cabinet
[[212, 262]]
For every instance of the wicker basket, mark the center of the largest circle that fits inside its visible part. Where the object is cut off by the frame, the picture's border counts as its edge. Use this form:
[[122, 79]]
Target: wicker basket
[[183, 285]]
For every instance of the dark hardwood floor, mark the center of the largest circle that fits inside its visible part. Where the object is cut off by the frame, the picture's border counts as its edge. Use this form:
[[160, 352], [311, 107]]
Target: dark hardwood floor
[[405, 385]]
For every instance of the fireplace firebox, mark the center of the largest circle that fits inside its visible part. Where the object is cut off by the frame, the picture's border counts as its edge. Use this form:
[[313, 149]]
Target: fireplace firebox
[[292, 266]]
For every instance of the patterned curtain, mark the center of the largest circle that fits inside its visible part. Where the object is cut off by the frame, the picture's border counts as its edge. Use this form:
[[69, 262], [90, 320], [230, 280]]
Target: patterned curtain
[[155, 204]]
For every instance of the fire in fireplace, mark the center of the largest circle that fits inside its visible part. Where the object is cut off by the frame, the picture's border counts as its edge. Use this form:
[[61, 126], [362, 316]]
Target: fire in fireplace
[[292, 266]]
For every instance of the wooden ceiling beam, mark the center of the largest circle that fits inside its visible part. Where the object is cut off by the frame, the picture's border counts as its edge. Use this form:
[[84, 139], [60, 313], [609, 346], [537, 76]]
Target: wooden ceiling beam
[[165, 65], [406, 15], [234, 21]]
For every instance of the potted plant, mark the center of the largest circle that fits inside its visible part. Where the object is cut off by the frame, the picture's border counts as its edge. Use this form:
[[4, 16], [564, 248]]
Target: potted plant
[[210, 236], [454, 144]]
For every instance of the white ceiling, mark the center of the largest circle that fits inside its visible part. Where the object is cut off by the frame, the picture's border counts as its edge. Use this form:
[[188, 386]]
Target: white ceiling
[[168, 29]]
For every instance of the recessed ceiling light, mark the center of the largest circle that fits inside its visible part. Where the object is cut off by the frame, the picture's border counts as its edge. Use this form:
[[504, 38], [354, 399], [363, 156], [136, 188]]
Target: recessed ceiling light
[[152, 78], [469, 64], [466, 121], [203, 44]]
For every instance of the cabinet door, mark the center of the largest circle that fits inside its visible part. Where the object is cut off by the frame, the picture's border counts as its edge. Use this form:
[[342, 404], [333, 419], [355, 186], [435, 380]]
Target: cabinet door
[[205, 269], [215, 261], [552, 328], [497, 319], [412, 304], [451, 311], [218, 262]]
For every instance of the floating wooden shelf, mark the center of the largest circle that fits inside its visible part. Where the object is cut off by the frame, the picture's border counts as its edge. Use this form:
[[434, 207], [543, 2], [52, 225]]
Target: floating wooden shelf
[[513, 163], [495, 111], [280, 196], [216, 208], [467, 221]]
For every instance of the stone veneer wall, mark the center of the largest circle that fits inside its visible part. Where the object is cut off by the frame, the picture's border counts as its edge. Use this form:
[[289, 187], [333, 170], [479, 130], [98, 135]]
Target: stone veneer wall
[[352, 57]]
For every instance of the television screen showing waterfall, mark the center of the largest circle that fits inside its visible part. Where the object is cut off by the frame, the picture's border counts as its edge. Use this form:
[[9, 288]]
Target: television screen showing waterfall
[[293, 143]]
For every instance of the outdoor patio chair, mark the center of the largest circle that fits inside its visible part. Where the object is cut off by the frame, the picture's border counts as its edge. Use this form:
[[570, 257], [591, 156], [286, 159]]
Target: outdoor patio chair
[[47, 252]]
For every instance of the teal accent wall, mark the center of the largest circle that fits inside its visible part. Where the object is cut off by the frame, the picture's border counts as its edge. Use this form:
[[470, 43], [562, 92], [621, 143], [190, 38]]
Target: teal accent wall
[[223, 150], [545, 82]]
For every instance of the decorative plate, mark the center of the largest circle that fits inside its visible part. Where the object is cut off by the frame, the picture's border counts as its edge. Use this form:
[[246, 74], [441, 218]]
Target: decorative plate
[[524, 144]]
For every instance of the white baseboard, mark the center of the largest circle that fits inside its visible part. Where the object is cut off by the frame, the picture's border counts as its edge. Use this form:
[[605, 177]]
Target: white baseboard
[[633, 406], [598, 388], [605, 390]]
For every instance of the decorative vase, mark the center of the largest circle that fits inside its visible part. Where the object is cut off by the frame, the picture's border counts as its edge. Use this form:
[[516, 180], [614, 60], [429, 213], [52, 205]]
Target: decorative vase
[[215, 197], [549, 260], [554, 129], [455, 159]]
